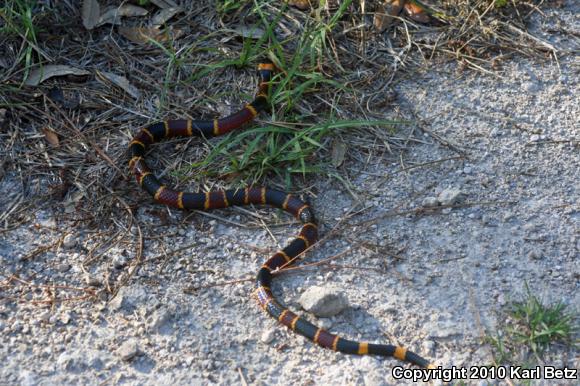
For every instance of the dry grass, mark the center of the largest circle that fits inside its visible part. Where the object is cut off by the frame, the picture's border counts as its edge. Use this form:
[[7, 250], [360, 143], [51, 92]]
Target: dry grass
[[63, 143]]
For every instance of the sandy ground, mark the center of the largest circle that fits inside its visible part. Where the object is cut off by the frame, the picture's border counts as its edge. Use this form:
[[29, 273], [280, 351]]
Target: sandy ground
[[434, 281]]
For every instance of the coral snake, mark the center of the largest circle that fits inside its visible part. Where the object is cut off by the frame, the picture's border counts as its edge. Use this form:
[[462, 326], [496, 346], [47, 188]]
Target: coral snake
[[253, 195]]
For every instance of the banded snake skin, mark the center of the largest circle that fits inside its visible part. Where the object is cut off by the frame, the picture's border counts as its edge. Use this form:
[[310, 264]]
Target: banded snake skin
[[253, 195]]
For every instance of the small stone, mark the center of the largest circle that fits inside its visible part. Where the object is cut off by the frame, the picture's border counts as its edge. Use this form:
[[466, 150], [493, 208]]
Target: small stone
[[325, 323], [534, 254], [450, 196], [487, 219], [268, 336], [128, 350], [76, 361], [119, 261], [429, 202], [323, 301], [534, 138], [530, 227], [159, 319], [531, 86], [501, 300], [63, 267], [445, 330], [92, 281], [44, 316], [69, 241], [64, 361], [428, 347], [65, 318], [474, 215], [508, 216], [48, 223]]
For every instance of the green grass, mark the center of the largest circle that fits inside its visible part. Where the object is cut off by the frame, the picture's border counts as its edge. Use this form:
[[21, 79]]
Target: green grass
[[500, 3], [174, 61], [250, 154], [534, 327], [19, 22], [291, 144], [225, 6], [540, 325]]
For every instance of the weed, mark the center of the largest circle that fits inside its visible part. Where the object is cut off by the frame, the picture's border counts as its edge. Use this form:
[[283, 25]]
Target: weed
[[173, 61], [533, 327], [226, 6], [500, 3], [282, 150], [18, 17], [539, 325]]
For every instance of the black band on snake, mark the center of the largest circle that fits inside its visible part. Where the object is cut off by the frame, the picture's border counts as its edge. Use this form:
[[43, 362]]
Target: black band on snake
[[253, 195]]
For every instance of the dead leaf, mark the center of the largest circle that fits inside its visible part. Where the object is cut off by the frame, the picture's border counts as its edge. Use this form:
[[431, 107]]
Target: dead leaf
[[70, 205], [390, 10], [91, 13], [121, 82], [300, 4], [251, 32], [143, 35], [164, 15], [164, 3], [51, 136], [113, 15], [40, 74], [416, 12], [338, 152]]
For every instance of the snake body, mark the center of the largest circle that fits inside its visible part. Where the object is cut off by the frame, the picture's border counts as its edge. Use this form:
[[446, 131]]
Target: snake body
[[253, 195]]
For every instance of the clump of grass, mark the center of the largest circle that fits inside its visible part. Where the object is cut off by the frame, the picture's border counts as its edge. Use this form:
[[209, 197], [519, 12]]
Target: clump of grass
[[251, 154], [534, 327], [288, 146], [540, 325], [19, 22]]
